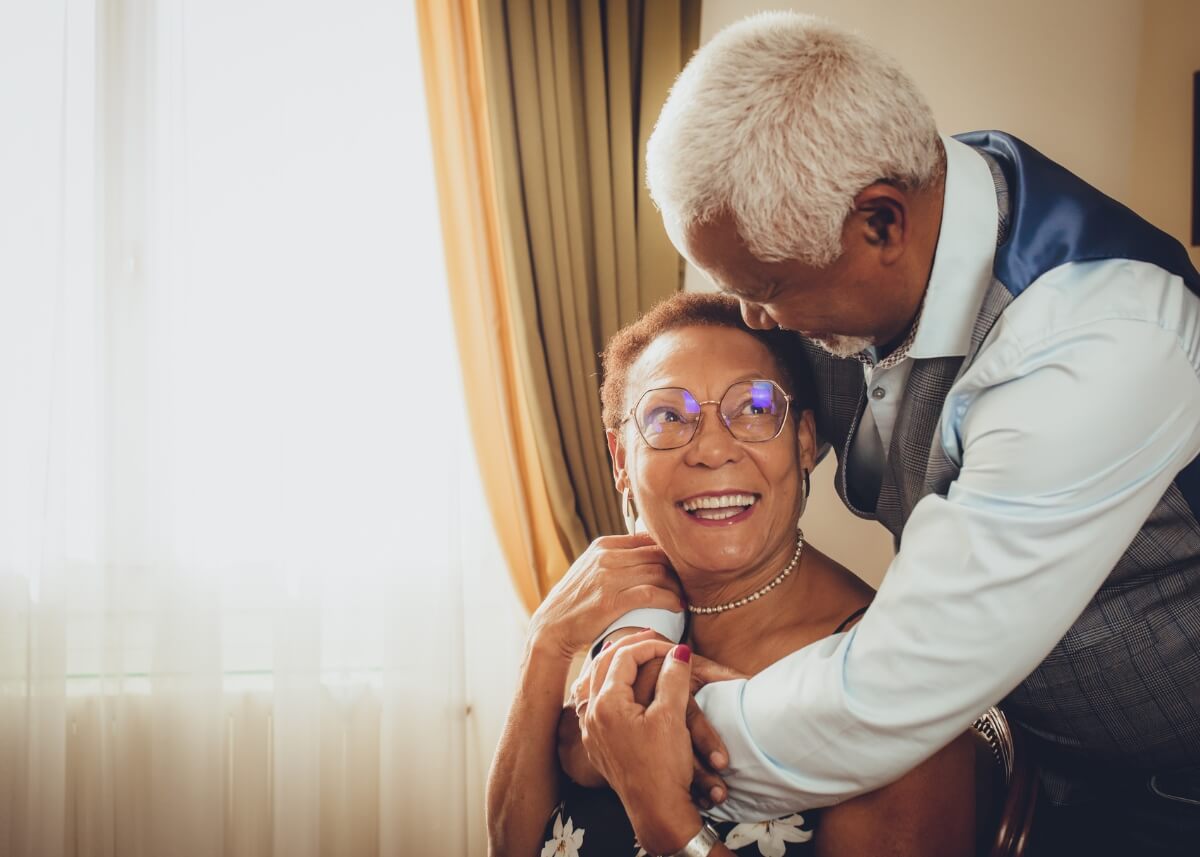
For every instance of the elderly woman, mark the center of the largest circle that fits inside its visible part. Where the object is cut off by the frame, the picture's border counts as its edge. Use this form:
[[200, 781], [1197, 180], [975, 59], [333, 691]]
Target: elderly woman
[[711, 442]]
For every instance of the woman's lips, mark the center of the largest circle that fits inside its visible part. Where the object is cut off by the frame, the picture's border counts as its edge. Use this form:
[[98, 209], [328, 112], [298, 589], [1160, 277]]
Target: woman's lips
[[722, 522], [719, 509]]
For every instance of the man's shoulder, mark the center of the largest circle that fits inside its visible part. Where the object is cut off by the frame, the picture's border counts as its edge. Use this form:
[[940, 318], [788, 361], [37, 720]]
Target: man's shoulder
[[1072, 298]]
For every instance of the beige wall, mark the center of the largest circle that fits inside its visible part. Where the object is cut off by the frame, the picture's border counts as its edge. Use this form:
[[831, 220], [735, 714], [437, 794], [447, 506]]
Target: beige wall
[[1061, 74], [1160, 178], [1100, 85]]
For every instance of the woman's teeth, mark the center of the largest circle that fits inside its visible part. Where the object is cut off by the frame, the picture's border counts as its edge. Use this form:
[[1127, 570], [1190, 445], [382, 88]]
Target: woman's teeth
[[719, 508]]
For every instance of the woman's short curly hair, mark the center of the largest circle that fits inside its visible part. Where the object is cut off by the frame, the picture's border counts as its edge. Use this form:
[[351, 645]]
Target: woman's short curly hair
[[687, 309]]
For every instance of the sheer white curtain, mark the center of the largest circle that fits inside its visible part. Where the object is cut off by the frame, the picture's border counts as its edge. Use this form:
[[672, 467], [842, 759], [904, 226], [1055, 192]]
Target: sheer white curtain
[[250, 599]]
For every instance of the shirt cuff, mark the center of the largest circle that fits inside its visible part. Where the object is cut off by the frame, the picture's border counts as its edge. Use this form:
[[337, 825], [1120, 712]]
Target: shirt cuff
[[669, 624]]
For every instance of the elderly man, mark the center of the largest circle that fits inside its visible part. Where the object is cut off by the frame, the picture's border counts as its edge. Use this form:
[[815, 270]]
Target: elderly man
[[1008, 363]]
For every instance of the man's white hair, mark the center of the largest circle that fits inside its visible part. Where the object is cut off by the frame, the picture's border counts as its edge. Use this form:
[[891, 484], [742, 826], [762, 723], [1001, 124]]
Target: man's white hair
[[780, 120]]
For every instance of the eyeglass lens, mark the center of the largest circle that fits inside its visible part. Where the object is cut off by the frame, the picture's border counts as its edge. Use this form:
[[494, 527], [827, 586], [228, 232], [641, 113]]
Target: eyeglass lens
[[753, 411]]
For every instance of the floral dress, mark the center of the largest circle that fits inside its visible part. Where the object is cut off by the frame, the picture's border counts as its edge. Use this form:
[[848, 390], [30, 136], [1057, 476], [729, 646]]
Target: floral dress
[[592, 823]]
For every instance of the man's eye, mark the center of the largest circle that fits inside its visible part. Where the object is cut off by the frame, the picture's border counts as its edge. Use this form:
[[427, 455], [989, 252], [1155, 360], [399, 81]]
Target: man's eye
[[759, 293]]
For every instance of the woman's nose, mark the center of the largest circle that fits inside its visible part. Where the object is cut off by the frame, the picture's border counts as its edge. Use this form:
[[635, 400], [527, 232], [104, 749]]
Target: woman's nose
[[713, 445], [756, 317]]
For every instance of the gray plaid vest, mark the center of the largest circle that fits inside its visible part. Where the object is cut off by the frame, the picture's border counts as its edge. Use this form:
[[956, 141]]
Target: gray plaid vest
[[1121, 690]]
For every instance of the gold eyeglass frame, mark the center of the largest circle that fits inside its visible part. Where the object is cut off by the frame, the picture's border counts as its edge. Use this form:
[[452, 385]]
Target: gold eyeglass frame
[[787, 406]]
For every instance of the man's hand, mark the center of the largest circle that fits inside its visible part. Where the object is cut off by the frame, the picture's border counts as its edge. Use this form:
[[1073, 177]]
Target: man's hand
[[572, 757], [615, 575]]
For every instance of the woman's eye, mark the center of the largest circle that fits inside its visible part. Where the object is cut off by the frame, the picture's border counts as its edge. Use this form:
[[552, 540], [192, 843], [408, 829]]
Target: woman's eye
[[748, 408], [663, 415]]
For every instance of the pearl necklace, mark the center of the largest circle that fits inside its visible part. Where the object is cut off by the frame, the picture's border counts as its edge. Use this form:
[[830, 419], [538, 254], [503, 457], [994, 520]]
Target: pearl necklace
[[754, 596]]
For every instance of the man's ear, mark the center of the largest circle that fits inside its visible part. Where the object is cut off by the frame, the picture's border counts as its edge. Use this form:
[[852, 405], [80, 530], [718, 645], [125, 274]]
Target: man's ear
[[616, 452], [881, 220], [806, 440]]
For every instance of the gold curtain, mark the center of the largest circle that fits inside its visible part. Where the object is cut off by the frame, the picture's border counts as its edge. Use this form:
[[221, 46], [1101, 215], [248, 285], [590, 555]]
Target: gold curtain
[[539, 112], [497, 401], [573, 91]]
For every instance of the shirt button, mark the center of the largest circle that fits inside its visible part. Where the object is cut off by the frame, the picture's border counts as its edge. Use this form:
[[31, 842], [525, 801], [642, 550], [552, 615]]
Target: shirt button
[[878, 393]]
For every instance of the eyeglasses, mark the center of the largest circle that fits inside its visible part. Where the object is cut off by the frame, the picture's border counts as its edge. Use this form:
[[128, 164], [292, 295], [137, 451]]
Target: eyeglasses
[[752, 411]]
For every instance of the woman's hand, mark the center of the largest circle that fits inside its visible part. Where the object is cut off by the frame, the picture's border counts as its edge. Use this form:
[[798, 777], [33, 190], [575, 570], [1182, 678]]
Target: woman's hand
[[710, 755], [572, 756], [614, 575], [644, 752]]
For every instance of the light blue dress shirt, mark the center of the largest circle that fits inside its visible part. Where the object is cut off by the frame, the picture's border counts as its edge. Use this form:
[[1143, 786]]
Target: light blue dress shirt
[[1069, 426]]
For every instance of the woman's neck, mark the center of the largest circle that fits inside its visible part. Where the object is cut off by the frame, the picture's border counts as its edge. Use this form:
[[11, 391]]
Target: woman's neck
[[735, 637], [705, 588]]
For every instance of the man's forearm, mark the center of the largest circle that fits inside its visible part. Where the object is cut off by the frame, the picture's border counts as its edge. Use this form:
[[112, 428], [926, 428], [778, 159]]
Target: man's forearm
[[990, 576]]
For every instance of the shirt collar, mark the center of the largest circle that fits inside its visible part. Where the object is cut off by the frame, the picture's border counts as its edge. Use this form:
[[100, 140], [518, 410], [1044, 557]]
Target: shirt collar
[[962, 263]]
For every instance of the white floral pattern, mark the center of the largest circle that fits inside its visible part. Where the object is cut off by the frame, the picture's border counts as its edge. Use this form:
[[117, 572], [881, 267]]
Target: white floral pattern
[[771, 836], [566, 841]]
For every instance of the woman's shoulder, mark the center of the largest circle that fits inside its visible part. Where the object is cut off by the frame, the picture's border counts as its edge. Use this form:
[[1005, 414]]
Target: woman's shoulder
[[834, 600], [844, 595]]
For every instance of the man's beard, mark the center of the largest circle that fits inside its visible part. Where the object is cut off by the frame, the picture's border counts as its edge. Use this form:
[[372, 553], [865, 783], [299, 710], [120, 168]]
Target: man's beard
[[842, 346]]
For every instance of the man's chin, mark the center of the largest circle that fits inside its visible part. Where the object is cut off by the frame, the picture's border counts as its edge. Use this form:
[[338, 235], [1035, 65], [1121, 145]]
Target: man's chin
[[840, 346]]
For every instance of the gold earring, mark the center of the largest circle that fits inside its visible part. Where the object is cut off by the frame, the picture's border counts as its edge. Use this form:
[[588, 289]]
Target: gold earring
[[628, 512]]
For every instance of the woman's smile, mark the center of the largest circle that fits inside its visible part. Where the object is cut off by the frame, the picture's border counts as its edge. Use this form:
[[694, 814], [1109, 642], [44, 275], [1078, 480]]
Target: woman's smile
[[720, 508]]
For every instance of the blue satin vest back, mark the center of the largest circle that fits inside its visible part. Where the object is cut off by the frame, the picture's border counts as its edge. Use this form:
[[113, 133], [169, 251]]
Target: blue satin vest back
[[1055, 217]]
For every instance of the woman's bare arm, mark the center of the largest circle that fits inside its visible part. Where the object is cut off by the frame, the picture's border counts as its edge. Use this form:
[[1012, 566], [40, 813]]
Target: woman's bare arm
[[522, 785], [614, 575], [929, 812]]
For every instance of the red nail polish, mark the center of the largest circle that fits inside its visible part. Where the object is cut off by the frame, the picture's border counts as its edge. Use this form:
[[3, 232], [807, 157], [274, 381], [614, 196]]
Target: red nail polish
[[607, 643], [682, 653]]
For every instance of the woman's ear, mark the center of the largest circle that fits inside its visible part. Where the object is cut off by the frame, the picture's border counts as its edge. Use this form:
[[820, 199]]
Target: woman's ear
[[616, 452], [806, 440]]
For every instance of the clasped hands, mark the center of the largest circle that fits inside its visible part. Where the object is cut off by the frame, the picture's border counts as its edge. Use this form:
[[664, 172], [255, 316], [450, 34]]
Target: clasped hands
[[627, 720], [604, 732]]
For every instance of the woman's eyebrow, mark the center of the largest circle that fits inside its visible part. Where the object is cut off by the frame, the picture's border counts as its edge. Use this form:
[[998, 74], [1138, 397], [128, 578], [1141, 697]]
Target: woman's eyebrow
[[753, 375]]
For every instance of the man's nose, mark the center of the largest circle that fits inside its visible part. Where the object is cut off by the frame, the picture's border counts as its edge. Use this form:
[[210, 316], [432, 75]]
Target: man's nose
[[756, 317]]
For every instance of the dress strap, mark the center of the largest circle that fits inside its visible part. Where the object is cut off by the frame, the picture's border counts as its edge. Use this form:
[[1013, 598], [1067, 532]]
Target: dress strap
[[850, 619]]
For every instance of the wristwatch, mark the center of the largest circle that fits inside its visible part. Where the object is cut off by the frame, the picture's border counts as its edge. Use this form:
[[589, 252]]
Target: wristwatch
[[700, 844]]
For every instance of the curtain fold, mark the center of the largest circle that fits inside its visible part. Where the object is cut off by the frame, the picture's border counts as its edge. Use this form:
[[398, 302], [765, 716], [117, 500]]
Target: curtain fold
[[558, 103], [513, 471], [573, 91]]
